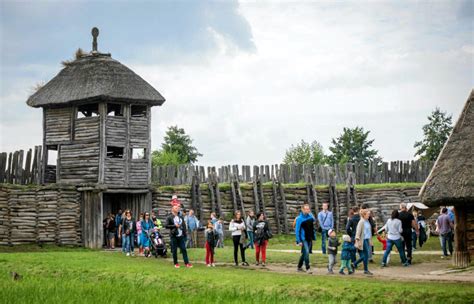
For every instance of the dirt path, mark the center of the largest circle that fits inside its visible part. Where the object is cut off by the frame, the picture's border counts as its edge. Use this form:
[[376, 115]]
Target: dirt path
[[433, 271]]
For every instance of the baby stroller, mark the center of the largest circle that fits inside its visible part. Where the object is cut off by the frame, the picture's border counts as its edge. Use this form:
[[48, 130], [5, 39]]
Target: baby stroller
[[158, 245]]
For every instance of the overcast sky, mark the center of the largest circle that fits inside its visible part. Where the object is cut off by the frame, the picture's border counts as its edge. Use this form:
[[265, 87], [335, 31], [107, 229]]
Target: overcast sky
[[248, 79]]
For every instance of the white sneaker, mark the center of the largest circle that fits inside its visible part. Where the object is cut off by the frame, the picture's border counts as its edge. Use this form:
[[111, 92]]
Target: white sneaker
[[128, 254], [213, 265], [208, 265]]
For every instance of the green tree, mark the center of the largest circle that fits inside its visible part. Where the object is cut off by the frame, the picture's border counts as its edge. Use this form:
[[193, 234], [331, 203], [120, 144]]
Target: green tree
[[305, 153], [353, 146], [435, 133], [177, 148], [163, 158]]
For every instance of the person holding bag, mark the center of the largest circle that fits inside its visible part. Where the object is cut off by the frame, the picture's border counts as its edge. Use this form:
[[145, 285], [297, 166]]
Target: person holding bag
[[363, 240], [237, 227], [262, 234]]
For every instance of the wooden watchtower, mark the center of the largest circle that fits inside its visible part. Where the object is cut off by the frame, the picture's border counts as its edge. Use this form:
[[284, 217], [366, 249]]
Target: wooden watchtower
[[96, 135]]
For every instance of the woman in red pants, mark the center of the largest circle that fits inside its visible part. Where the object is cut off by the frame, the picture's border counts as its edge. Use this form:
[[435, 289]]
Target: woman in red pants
[[262, 234]]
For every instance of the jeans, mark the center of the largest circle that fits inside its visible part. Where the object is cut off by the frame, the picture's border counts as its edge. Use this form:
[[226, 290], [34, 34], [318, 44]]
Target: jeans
[[399, 244], [364, 255], [413, 239], [346, 264], [304, 255], [220, 241], [331, 261], [324, 238], [353, 253], [261, 248], [192, 240], [407, 244], [446, 238], [127, 241], [237, 245], [250, 235], [179, 242]]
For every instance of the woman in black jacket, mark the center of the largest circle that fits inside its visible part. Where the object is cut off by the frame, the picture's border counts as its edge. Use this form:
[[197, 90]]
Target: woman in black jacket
[[261, 236]]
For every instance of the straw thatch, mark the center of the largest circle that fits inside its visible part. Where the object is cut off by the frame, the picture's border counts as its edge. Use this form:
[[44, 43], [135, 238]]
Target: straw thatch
[[93, 77], [451, 180]]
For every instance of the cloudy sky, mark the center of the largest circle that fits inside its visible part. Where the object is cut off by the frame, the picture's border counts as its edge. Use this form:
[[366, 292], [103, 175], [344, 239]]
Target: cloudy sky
[[248, 79]]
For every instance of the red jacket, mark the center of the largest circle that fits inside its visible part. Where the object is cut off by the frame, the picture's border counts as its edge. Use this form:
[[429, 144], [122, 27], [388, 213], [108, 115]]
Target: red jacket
[[383, 241]]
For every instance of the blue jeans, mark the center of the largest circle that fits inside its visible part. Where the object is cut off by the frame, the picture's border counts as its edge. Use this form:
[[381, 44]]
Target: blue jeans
[[127, 241], [324, 238], [399, 244], [250, 236], [364, 255], [179, 242], [446, 238], [304, 255]]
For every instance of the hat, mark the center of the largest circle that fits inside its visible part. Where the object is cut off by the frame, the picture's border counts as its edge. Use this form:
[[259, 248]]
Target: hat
[[330, 231]]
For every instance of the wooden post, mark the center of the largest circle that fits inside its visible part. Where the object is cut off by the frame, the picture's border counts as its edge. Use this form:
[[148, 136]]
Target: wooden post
[[461, 256], [276, 204]]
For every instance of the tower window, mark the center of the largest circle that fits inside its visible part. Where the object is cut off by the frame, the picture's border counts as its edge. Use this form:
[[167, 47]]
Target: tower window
[[114, 152], [138, 153], [138, 111], [52, 155], [88, 110], [114, 109]]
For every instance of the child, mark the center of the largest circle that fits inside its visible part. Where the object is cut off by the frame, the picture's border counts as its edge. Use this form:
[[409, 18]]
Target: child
[[333, 243], [382, 239], [211, 240], [348, 250], [219, 228]]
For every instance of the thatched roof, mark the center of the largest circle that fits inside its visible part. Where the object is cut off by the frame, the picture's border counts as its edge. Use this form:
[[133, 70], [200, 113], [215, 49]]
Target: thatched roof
[[452, 178], [93, 77]]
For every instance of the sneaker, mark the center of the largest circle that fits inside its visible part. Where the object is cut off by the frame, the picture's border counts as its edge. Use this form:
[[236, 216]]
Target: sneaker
[[128, 254], [263, 265], [368, 273], [299, 269], [308, 271], [342, 272], [213, 265], [406, 264], [176, 265], [257, 263], [208, 265], [133, 253], [189, 265], [330, 272], [245, 264], [351, 272], [383, 265]]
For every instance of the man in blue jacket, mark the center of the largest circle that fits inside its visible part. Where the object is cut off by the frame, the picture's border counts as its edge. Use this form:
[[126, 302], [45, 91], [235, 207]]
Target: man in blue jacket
[[326, 222], [304, 230]]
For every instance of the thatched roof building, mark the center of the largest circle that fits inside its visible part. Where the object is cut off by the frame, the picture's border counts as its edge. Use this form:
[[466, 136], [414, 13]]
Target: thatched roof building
[[451, 182], [452, 178], [92, 77]]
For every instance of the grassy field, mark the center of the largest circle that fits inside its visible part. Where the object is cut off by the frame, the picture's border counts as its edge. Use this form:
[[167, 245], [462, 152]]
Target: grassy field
[[74, 275]]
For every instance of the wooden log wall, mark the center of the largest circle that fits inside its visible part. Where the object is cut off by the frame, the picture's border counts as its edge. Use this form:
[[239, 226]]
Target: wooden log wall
[[40, 215], [281, 207], [13, 170], [387, 172]]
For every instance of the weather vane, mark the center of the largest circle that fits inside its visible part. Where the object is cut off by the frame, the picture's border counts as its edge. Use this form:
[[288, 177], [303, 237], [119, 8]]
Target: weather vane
[[95, 33]]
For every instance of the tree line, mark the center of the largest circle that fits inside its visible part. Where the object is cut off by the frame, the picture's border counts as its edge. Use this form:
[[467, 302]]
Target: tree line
[[352, 146]]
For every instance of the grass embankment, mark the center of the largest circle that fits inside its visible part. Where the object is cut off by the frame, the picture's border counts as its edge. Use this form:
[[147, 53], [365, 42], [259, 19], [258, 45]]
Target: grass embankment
[[66, 275], [248, 186]]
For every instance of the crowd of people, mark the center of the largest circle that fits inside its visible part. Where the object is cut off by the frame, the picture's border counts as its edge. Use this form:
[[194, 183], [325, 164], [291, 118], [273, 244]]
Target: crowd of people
[[404, 230]]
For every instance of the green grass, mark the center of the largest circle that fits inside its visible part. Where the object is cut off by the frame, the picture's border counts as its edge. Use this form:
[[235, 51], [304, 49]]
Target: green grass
[[268, 185], [52, 274]]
